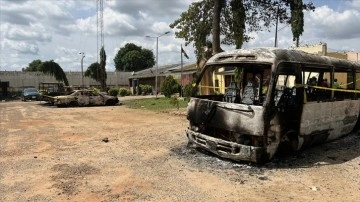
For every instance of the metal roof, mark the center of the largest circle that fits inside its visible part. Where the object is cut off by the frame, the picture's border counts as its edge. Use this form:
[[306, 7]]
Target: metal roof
[[165, 70]]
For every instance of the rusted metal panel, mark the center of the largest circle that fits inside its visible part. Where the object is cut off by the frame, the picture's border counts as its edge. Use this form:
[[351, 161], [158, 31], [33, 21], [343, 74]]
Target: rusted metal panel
[[230, 120], [84, 98], [229, 116], [316, 117], [81, 99], [227, 149], [338, 118]]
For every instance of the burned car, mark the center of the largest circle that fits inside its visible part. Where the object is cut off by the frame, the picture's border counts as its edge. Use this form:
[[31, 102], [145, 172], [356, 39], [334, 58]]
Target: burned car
[[85, 98], [254, 103]]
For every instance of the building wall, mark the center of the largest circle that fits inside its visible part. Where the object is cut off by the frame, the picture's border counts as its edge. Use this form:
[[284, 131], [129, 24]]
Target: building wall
[[320, 49], [337, 55], [353, 56], [18, 79]]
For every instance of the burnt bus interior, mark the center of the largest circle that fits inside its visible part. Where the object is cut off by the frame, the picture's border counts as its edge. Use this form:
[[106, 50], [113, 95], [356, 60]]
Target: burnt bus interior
[[240, 83], [325, 78], [287, 89], [249, 83], [269, 105]]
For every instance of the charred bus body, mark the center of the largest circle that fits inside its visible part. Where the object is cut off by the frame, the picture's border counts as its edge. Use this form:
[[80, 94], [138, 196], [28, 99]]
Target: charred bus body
[[254, 103]]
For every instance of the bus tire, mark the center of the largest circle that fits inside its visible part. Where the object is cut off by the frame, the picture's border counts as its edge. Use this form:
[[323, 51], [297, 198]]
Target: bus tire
[[289, 142]]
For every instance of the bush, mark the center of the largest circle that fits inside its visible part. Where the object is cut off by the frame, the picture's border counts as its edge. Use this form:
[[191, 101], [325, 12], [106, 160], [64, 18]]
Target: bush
[[95, 89], [145, 89], [190, 91], [124, 92], [174, 100], [170, 86], [113, 91]]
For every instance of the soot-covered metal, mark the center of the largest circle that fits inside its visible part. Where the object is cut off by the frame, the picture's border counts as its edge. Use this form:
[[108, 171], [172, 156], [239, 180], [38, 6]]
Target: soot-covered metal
[[253, 103]]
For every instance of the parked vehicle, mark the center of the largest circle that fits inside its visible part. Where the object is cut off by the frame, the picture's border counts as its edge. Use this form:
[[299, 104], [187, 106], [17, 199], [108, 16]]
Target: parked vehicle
[[50, 89], [30, 94], [254, 103], [85, 98]]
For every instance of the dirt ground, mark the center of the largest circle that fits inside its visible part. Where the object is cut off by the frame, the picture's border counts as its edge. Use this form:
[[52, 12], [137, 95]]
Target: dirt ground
[[120, 154]]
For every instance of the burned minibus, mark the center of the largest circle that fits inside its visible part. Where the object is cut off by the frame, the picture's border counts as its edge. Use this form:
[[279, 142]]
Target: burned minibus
[[256, 102]]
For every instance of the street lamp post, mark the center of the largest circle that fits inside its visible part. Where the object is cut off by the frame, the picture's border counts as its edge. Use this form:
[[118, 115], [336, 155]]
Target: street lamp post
[[157, 59], [82, 71], [276, 26]]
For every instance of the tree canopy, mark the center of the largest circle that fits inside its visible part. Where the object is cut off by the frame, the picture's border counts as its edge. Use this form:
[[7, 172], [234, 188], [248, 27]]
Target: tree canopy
[[234, 20], [133, 58], [34, 66], [48, 67], [93, 71], [297, 20], [102, 72]]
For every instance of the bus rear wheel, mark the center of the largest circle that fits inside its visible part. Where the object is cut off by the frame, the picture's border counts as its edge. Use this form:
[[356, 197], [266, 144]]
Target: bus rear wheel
[[289, 142]]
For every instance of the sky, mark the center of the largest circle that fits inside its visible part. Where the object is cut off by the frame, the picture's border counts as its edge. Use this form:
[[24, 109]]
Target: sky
[[59, 30]]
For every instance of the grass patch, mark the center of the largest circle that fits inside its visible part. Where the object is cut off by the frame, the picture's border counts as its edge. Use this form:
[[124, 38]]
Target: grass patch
[[154, 104]]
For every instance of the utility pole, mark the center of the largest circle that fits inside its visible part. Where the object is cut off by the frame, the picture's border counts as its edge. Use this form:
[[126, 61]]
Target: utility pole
[[276, 26], [157, 59], [100, 30], [82, 70]]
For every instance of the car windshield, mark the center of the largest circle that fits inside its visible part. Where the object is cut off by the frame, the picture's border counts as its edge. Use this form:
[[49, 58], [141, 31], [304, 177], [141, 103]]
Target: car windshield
[[31, 90], [75, 93], [86, 93]]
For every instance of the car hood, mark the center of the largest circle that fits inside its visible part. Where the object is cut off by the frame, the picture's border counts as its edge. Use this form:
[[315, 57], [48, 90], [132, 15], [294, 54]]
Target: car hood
[[31, 93], [64, 97]]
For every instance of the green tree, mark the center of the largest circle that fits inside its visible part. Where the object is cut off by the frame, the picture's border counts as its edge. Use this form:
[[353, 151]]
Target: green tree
[[237, 18], [133, 58], [102, 72], [48, 67], [97, 71], [53, 69], [170, 86], [34, 66], [297, 20], [93, 71]]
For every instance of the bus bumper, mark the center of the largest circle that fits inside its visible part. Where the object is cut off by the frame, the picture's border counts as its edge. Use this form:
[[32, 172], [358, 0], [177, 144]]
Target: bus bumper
[[226, 149]]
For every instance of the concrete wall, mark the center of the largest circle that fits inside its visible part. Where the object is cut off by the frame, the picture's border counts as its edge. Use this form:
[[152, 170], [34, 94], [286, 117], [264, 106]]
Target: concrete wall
[[337, 55], [320, 49], [353, 56], [18, 79]]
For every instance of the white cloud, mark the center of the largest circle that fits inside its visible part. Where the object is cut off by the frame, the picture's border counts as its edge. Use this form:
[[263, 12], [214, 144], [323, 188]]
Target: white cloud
[[335, 25], [22, 47], [35, 33], [59, 30], [355, 4], [160, 27], [157, 9], [119, 24], [66, 51]]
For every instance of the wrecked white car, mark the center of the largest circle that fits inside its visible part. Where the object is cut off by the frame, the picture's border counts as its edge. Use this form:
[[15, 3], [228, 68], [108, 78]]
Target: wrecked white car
[[85, 98]]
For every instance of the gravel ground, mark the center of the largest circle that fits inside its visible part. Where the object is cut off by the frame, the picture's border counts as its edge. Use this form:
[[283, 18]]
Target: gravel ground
[[119, 154]]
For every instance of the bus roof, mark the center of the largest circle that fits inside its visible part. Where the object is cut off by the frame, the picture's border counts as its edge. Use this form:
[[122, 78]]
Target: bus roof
[[272, 55]]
